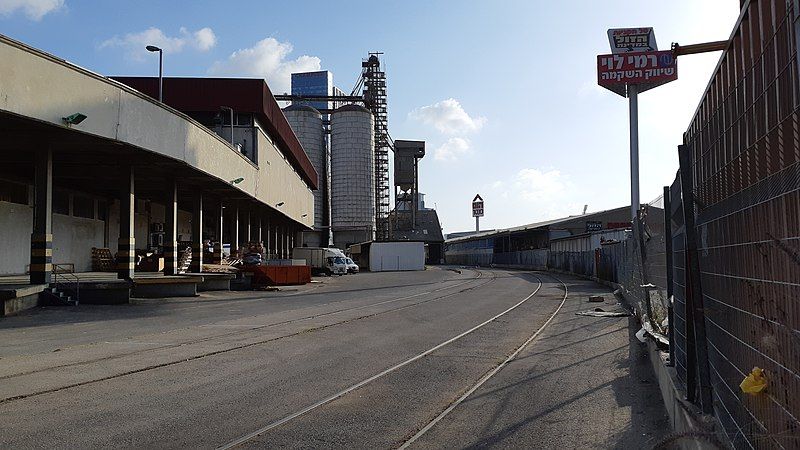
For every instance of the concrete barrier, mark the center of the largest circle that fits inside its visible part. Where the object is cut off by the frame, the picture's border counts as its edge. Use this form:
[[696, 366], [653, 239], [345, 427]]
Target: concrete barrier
[[172, 286], [15, 299]]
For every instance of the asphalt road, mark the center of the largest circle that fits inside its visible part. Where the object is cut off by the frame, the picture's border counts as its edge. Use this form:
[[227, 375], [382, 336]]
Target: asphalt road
[[363, 361]]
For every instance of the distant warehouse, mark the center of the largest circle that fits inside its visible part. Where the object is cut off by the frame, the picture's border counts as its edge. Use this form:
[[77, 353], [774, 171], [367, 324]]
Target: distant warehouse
[[528, 245]]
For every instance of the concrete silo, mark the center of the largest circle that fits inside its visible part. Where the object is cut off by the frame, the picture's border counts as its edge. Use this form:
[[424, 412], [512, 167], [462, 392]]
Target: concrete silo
[[306, 122], [352, 176]]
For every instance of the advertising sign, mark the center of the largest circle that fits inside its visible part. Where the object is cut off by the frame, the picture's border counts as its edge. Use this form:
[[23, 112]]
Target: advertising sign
[[626, 40], [593, 225], [644, 69], [477, 206]]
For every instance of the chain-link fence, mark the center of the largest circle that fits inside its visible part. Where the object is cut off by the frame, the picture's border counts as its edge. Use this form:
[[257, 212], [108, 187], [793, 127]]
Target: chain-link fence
[[735, 225]]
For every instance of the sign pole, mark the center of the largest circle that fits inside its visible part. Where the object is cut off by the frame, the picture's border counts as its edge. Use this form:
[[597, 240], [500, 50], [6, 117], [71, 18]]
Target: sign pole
[[477, 224], [633, 106]]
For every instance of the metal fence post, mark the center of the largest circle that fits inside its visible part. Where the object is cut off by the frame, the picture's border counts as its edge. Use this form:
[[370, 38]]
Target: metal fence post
[[668, 257], [694, 294]]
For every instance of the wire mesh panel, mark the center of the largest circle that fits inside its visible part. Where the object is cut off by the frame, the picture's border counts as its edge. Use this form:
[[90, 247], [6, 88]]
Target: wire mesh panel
[[679, 328], [745, 161]]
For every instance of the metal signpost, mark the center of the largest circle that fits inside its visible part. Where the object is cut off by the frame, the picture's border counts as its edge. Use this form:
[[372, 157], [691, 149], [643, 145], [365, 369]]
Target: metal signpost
[[477, 211], [634, 66]]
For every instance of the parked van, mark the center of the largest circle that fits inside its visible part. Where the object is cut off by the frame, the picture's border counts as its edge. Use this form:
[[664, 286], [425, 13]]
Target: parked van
[[322, 260], [352, 267]]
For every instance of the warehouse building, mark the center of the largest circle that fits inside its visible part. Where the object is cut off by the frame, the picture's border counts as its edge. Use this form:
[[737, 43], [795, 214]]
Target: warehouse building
[[91, 162], [528, 245]]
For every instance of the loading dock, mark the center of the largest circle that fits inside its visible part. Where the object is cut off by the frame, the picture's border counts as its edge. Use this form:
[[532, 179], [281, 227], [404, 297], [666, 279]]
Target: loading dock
[[88, 162]]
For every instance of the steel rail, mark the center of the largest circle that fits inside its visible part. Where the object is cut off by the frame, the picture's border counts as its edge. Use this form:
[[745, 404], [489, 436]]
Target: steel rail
[[238, 347], [255, 328], [488, 375], [309, 408]]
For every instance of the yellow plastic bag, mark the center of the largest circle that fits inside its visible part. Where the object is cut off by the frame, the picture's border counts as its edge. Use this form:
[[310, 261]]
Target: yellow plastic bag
[[755, 382]]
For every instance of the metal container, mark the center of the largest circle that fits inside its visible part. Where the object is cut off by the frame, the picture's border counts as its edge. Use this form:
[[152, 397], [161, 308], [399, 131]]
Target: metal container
[[352, 175], [306, 122]]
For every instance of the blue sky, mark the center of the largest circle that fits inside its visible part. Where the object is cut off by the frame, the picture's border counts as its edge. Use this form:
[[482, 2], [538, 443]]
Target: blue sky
[[504, 92]]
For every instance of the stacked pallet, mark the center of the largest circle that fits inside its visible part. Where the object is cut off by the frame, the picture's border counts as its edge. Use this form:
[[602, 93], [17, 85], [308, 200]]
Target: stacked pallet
[[102, 260]]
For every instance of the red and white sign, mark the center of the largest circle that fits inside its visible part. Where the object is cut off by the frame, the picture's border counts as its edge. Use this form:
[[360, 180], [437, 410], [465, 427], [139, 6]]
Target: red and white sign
[[644, 69], [477, 206]]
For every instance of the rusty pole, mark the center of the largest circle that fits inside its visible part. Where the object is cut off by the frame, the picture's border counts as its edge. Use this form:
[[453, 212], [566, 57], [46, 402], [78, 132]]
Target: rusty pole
[[705, 47]]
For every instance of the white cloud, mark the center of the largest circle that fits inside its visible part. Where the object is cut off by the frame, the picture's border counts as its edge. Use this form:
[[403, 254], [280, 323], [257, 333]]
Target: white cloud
[[541, 194], [266, 59], [34, 9], [452, 149], [205, 39], [134, 43], [533, 184], [448, 117]]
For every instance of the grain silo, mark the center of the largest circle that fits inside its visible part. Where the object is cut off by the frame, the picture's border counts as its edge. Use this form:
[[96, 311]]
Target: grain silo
[[306, 122], [352, 176]]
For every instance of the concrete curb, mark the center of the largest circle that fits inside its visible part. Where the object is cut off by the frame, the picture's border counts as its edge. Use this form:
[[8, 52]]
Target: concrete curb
[[684, 417]]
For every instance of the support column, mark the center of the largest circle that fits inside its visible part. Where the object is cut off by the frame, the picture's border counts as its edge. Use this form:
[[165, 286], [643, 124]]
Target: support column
[[41, 269], [171, 228], [126, 245], [196, 266], [286, 242], [218, 227], [259, 229], [281, 243], [276, 249], [249, 229], [235, 240], [268, 241]]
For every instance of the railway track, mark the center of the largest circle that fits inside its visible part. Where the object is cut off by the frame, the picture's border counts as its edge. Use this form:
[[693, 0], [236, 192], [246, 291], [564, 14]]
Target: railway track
[[333, 397], [9, 378], [490, 374]]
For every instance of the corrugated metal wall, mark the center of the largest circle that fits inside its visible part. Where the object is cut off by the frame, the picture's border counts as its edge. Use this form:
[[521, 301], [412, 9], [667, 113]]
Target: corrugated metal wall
[[745, 166]]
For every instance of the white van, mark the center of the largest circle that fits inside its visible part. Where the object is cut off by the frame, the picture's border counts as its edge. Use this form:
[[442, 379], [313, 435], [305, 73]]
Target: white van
[[322, 260]]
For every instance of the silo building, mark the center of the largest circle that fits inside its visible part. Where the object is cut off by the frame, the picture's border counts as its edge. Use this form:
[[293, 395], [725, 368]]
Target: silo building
[[306, 122], [352, 176]]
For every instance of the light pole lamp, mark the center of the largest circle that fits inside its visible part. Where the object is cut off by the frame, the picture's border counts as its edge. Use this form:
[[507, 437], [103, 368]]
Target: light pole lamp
[[153, 48]]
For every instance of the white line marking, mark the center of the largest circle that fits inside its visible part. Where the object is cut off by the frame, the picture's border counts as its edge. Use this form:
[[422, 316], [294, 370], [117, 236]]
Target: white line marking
[[352, 388], [486, 377]]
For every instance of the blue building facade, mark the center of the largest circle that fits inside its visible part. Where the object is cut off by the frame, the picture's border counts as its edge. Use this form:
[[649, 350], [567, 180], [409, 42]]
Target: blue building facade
[[315, 83]]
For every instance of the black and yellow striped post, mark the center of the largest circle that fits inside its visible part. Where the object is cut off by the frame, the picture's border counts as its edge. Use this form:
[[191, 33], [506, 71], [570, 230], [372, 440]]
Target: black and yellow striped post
[[170, 228], [126, 249], [41, 268], [196, 266]]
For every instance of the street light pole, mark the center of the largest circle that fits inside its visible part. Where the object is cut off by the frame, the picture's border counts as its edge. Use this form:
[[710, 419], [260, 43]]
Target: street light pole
[[153, 48]]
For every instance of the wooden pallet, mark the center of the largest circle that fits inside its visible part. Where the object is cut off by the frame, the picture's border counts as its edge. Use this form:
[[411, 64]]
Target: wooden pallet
[[103, 260]]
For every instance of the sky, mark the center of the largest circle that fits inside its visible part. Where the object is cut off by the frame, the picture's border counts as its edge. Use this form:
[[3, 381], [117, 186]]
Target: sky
[[504, 92]]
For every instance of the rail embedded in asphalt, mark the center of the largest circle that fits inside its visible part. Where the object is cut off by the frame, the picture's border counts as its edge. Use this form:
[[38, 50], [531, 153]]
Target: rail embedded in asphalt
[[233, 333], [490, 374], [366, 381]]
